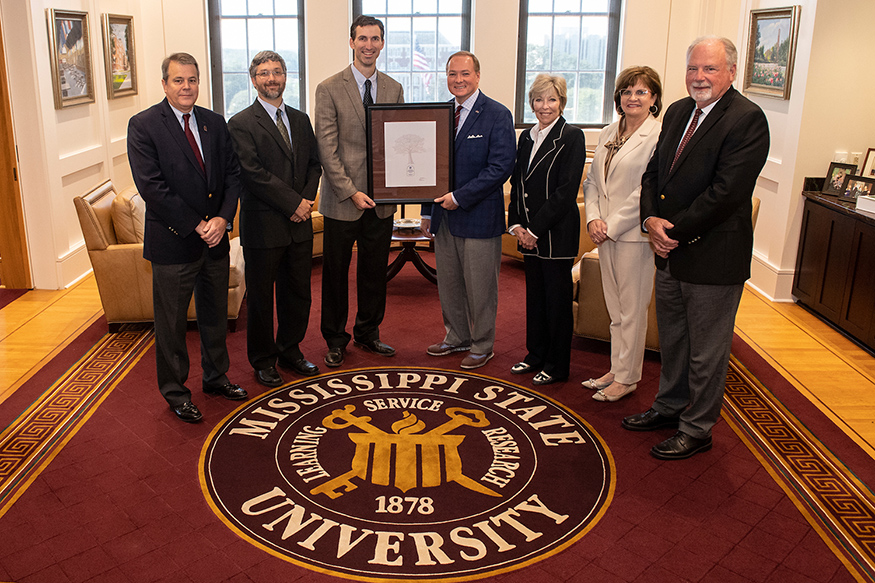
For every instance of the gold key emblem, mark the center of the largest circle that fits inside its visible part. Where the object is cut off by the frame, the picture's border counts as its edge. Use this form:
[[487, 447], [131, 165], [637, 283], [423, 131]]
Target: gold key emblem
[[378, 446]]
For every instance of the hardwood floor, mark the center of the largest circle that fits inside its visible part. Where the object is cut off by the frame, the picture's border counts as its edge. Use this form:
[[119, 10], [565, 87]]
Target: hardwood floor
[[38, 325], [830, 370]]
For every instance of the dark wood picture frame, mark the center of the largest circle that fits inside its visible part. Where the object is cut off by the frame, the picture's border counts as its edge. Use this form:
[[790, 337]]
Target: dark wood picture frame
[[377, 116], [835, 177], [851, 187]]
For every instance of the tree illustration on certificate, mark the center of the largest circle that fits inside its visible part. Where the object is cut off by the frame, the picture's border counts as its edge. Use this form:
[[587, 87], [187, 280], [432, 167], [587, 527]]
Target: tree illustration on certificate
[[411, 159]]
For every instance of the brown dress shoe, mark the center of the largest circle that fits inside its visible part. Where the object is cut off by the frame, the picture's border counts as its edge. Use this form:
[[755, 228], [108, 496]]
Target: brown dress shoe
[[476, 360], [443, 349]]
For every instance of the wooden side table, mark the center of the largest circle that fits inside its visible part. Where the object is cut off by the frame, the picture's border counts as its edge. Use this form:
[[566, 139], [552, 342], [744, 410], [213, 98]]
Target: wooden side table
[[407, 233]]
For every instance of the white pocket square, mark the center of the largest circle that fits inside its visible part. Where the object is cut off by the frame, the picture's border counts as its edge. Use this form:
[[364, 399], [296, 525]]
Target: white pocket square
[[473, 137]]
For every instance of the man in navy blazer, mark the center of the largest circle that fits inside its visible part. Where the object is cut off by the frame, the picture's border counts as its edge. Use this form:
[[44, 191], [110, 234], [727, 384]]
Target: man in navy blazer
[[468, 222], [696, 208], [185, 168]]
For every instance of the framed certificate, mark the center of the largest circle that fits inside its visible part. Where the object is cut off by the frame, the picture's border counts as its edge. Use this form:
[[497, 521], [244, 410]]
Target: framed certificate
[[410, 158]]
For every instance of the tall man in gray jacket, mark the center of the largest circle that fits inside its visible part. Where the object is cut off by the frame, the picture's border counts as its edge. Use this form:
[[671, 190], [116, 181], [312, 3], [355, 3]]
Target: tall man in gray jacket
[[351, 216]]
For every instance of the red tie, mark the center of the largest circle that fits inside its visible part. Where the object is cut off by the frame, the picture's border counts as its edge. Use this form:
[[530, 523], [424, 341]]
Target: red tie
[[456, 121], [192, 142], [687, 137]]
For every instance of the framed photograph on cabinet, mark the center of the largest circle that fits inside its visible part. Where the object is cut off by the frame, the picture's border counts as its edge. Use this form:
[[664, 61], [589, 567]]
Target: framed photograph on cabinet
[[855, 186], [835, 178], [771, 51], [70, 55], [869, 165], [119, 54]]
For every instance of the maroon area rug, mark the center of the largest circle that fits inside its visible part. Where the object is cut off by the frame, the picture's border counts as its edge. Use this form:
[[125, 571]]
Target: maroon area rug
[[122, 501]]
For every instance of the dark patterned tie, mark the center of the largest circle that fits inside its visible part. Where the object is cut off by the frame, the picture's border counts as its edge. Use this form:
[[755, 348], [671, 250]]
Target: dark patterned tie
[[282, 128], [687, 137], [458, 117], [367, 99], [192, 142]]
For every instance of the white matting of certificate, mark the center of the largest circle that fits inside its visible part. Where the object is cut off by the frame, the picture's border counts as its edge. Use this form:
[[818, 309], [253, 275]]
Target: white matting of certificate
[[411, 156]]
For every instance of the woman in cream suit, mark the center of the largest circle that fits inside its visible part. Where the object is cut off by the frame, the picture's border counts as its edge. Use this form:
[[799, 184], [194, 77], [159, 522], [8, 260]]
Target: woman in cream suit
[[612, 190]]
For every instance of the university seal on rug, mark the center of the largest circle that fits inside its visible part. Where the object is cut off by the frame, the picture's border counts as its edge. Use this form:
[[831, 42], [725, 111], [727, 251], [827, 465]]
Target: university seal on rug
[[382, 474]]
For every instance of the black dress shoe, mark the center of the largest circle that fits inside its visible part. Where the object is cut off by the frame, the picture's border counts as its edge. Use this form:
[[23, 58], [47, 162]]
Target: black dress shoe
[[269, 377], [334, 358], [680, 446], [230, 391], [187, 412], [302, 366], [648, 421], [376, 347]]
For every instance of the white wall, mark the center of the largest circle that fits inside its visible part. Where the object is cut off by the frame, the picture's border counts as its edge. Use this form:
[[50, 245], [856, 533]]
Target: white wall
[[66, 152]]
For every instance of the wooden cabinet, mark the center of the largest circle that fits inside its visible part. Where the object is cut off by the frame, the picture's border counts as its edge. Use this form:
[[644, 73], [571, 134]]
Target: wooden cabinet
[[835, 266]]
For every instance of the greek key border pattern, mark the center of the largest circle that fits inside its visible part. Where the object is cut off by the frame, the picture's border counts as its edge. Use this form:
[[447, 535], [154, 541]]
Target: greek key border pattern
[[824, 487], [30, 442]]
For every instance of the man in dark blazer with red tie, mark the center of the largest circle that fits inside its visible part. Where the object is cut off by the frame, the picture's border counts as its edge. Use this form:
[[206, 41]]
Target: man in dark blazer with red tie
[[185, 168], [279, 169], [696, 207]]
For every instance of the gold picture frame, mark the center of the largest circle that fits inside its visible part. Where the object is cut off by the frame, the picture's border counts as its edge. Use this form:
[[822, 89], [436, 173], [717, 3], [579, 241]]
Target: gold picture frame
[[771, 51], [119, 55], [70, 48]]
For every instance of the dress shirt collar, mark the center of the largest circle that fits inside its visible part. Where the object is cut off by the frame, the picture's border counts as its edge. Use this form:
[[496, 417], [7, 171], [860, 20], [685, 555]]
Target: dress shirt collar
[[271, 110], [467, 106], [538, 136], [360, 81], [192, 123], [179, 114]]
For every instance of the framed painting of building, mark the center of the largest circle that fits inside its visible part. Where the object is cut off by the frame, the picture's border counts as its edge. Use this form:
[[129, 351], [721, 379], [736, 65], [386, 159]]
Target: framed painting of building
[[70, 48], [119, 55]]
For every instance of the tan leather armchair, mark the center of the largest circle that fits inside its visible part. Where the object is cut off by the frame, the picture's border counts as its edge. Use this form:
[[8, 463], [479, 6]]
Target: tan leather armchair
[[112, 225], [591, 319]]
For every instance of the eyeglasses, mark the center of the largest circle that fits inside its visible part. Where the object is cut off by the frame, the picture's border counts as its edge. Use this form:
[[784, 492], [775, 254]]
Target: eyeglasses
[[638, 93], [266, 74]]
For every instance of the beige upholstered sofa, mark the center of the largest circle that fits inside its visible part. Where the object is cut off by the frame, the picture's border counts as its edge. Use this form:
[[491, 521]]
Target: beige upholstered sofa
[[112, 224]]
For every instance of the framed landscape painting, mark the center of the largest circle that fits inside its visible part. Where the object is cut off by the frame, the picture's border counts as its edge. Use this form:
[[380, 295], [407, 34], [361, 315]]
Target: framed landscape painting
[[771, 51], [118, 52]]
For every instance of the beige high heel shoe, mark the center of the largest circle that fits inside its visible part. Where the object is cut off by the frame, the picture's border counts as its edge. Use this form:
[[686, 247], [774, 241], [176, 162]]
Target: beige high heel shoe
[[595, 385], [604, 397]]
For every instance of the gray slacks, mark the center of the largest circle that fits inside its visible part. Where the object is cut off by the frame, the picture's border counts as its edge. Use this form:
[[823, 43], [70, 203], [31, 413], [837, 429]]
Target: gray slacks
[[467, 274], [696, 324]]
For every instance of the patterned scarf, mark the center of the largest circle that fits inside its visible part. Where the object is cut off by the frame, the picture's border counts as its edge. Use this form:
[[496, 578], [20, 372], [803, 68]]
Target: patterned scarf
[[613, 147]]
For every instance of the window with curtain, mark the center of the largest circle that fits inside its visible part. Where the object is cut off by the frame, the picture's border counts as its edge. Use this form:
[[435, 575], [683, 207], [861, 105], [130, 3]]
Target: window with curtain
[[577, 40], [239, 29], [420, 35]]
